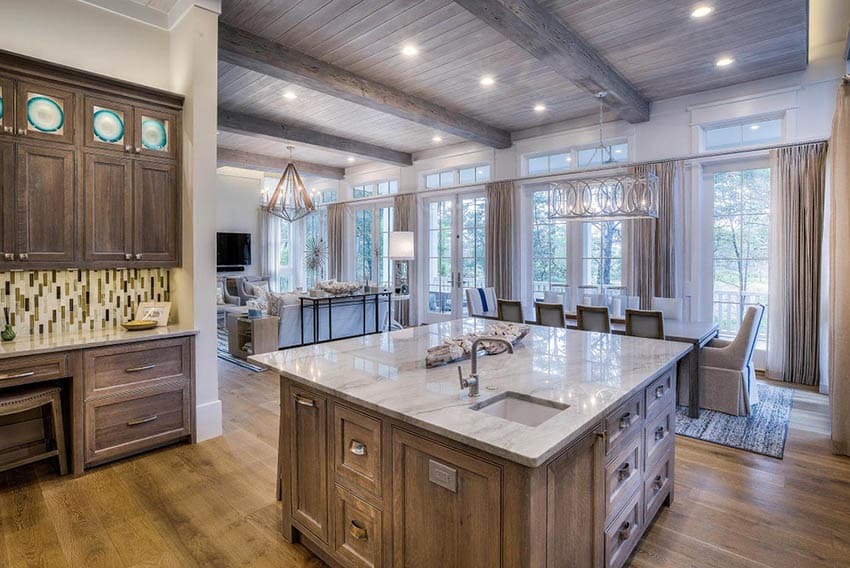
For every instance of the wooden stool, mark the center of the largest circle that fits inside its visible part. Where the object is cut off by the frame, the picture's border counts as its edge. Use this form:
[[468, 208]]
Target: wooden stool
[[23, 400]]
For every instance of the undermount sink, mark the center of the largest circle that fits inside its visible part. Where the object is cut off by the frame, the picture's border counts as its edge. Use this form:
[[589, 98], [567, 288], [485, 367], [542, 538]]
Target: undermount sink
[[520, 408]]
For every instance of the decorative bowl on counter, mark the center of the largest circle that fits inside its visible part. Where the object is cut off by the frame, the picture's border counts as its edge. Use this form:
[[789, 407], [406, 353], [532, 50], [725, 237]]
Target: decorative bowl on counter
[[138, 325], [339, 288]]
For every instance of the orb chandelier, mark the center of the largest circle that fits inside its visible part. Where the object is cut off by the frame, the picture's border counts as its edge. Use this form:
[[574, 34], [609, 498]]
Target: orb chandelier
[[290, 200], [632, 195]]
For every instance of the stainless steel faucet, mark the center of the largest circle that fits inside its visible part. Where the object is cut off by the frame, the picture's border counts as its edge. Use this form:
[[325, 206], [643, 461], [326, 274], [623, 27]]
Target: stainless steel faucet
[[473, 381]]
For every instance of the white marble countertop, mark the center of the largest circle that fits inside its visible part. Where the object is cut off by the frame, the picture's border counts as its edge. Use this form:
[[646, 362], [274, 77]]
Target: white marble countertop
[[35, 344], [590, 372]]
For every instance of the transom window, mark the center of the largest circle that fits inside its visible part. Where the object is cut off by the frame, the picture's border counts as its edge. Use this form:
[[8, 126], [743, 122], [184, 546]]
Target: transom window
[[579, 157], [743, 133], [459, 176], [371, 189]]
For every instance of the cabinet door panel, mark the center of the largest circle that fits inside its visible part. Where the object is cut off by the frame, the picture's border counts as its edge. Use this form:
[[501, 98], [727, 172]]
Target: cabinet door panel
[[446, 506], [309, 459], [155, 133], [7, 200], [107, 215], [156, 213], [109, 125], [45, 203], [45, 112], [7, 107]]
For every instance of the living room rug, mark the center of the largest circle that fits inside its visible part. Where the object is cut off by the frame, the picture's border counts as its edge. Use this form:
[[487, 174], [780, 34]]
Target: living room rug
[[764, 432], [224, 354]]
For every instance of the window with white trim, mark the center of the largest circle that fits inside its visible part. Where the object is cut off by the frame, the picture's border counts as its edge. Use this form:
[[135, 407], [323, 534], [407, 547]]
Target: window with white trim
[[578, 157], [602, 253], [742, 134], [373, 188], [549, 248], [458, 176], [372, 227]]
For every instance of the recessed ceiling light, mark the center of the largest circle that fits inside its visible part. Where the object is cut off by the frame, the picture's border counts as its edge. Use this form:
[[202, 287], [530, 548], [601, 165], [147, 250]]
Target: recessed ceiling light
[[410, 50], [701, 11], [437, 139], [724, 61], [289, 95], [350, 159], [487, 80], [754, 127], [539, 107]]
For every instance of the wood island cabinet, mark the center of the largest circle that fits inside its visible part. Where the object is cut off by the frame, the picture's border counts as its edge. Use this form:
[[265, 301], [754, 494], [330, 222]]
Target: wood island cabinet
[[308, 425], [89, 170]]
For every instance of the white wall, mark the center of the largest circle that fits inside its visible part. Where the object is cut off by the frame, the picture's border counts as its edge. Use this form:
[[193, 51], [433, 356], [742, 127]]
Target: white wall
[[237, 198], [182, 60]]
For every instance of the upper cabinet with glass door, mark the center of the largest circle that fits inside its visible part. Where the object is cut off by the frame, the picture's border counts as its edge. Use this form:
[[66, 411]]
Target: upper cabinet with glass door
[[37, 111], [121, 127], [155, 133]]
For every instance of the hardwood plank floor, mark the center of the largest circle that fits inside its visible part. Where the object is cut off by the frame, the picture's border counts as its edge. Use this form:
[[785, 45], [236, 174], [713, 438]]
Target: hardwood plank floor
[[213, 504]]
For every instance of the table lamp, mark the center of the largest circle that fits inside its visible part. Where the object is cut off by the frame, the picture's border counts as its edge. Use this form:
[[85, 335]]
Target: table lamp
[[401, 251]]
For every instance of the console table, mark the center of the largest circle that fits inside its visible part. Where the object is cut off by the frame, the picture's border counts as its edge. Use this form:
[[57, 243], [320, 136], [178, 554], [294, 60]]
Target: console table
[[362, 299]]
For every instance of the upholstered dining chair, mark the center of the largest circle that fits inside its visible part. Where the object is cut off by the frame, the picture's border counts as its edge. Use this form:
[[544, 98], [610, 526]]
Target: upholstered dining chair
[[510, 310], [727, 375], [645, 323], [551, 315], [593, 318], [672, 308], [482, 302]]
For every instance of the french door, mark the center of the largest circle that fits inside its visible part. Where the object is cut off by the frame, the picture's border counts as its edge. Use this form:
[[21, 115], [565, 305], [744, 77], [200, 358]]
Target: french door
[[372, 227], [454, 253]]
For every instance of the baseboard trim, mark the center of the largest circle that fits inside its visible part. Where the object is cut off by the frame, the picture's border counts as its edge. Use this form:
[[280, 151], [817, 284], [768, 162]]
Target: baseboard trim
[[208, 420]]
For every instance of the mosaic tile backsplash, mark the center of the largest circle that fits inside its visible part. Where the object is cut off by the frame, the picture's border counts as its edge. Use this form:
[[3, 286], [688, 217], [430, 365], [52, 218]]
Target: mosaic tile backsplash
[[59, 301]]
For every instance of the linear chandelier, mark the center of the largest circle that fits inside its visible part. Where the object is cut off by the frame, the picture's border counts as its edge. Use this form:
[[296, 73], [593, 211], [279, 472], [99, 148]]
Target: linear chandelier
[[291, 200], [632, 195]]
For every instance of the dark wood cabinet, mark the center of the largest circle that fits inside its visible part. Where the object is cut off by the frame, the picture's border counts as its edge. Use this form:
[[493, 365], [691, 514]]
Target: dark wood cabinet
[[7, 200], [7, 106], [156, 212], [44, 196], [108, 125], [155, 133], [309, 461], [45, 112], [108, 208]]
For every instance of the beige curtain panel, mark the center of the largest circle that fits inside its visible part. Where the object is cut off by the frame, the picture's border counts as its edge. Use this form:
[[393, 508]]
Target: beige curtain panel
[[500, 246], [336, 240], [652, 266], [406, 218], [839, 274], [797, 208]]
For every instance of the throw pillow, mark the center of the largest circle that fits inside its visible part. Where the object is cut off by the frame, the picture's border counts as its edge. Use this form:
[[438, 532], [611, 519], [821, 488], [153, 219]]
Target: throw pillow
[[275, 303], [261, 291]]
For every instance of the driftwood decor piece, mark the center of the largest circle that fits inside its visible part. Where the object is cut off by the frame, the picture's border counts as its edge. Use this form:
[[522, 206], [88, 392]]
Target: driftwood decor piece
[[459, 349]]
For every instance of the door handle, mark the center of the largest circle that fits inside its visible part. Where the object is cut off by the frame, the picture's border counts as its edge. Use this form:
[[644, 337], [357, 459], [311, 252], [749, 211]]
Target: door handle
[[357, 448], [8, 129], [138, 256], [128, 256], [17, 375], [9, 256], [304, 401], [128, 148], [142, 420], [23, 256], [22, 131], [141, 368]]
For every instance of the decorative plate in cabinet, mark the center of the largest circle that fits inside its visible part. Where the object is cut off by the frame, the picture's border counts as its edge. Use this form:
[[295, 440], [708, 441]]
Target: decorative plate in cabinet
[[109, 125], [154, 130], [45, 113]]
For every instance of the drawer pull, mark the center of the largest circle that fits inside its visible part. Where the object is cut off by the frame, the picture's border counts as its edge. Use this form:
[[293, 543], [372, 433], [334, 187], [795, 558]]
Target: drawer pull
[[624, 472], [659, 433], [140, 368], [17, 375], [357, 531], [305, 401], [138, 421], [625, 531], [657, 484], [625, 420], [659, 391], [357, 448]]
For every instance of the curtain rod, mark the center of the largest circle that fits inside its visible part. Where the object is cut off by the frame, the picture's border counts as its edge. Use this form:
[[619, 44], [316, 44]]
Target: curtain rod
[[620, 166]]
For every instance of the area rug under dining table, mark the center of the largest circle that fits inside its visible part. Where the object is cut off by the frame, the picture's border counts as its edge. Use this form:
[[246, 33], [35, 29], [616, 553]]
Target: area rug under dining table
[[763, 432]]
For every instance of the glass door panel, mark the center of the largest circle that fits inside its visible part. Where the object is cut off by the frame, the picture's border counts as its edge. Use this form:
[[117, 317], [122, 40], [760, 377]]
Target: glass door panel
[[440, 264], [473, 214]]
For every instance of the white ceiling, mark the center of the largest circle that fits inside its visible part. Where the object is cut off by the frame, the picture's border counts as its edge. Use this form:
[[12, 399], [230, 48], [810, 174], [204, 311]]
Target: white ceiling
[[158, 13]]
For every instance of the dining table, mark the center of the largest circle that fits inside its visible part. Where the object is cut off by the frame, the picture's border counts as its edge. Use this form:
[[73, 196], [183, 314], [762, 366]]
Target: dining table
[[697, 333]]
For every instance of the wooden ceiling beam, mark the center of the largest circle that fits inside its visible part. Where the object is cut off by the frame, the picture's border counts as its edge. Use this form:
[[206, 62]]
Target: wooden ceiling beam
[[273, 59], [274, 164], [263, 128], [545, 36]]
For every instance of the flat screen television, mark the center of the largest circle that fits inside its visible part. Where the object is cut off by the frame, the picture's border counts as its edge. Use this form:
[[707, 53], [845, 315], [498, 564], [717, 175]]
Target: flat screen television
[[233, 249]]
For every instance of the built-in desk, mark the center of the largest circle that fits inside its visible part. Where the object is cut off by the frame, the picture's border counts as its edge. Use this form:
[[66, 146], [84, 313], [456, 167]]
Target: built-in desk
[[125, 392]]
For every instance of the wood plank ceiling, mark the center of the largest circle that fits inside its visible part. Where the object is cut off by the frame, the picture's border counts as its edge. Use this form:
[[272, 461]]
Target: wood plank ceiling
[[652, 44]]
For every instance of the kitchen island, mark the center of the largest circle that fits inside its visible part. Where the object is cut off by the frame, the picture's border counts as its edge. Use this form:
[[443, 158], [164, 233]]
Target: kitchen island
[[386, 463]]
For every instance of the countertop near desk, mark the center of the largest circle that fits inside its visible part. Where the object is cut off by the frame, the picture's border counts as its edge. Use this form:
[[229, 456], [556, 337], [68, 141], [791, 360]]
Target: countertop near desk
[[590, 372], [35, 344]]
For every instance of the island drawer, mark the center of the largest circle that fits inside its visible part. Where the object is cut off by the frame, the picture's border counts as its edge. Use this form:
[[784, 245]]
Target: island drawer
[[624, 532], [357, 534], [657, 436], [21, 370], [657, 486], [623, 421], [126, 424], [659, 394], [121, 368], [622, 476], [357, 450]]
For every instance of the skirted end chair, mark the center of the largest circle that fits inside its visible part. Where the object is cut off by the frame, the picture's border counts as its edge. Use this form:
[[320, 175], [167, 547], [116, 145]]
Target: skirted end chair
[[727, 375], [510, 310], [482, 302]]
